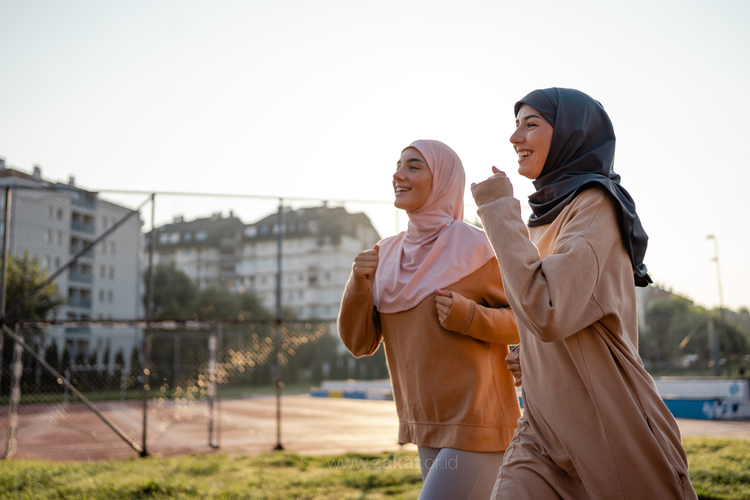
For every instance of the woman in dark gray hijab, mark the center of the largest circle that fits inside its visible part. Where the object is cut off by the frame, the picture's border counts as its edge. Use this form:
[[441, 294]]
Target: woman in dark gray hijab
[[594, 425]]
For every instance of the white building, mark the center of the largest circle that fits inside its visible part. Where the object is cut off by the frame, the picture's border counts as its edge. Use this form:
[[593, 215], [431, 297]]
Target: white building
[[105, 283], [319, 246]]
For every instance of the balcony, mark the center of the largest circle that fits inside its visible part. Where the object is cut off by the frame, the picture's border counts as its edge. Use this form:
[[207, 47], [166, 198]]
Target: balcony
[[80, 277], [82, 227], [80, 200], [74, 249], [79, 302]]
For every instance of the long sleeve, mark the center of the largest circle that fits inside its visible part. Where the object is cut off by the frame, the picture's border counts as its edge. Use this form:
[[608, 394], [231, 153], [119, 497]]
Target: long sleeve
[[553, 295], [490, 319], [359, 322]]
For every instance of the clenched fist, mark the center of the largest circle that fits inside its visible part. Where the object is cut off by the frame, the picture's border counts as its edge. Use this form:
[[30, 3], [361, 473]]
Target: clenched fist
[[444, 301], [366, 263], [496, 187], [513, 359]]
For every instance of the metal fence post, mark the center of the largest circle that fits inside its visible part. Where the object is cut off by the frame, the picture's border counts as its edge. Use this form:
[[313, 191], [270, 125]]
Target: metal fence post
[[3, 277], [15, 399], [146, 349], [279, 322], [212, 422]]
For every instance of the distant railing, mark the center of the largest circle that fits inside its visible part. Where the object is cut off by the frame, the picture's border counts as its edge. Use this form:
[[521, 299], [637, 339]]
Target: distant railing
[[82, 227], [74, 249], [84, 202], [79, 302], [80, 277]]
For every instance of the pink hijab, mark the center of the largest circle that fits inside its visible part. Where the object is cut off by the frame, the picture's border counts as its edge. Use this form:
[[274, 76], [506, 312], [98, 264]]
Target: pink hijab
[[438, 248]]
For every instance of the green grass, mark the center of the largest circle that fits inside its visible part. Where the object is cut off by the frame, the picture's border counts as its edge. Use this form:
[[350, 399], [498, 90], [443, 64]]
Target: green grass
[[719, 469], [278, 476]]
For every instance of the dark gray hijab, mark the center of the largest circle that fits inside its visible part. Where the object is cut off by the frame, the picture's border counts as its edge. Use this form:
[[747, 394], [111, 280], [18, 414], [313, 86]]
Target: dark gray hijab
[[582, 154]]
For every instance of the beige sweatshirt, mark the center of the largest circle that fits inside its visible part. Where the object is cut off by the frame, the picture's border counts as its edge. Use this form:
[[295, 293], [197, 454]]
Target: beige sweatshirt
[[450, 381], [594, 425]]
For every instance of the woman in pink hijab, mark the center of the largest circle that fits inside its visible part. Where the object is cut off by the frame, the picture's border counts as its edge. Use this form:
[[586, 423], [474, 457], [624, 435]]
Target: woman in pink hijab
[[434, 296]]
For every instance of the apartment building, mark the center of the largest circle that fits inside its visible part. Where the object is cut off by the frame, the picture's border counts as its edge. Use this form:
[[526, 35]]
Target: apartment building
[[56, 223], [318, 247]]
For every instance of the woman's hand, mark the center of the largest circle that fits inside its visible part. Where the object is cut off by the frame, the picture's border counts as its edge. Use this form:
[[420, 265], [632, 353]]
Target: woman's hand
[[444, 301], [496, 187], [514, 364], [366, 263]]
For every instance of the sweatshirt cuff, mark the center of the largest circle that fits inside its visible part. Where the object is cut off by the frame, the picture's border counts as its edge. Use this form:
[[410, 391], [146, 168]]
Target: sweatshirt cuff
[[498, 206], [461, 314]]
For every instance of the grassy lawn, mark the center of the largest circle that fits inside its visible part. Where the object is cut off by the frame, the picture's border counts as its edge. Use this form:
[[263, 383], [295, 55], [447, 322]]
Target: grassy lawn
[[720, 469]]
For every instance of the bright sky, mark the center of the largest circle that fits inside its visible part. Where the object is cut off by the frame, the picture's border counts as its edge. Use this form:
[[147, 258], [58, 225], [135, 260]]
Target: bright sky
[[317, 99]]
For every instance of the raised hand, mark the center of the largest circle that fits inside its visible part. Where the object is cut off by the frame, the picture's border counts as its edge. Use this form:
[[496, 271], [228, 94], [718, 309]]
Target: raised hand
[[366, 263], [496, 187]]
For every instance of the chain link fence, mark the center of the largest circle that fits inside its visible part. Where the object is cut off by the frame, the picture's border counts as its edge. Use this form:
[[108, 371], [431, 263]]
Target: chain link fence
[[116, 333]]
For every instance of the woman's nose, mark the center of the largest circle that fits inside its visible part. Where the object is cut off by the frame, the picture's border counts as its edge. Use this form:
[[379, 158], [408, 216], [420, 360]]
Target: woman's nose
[[515, 137], [398, 175]]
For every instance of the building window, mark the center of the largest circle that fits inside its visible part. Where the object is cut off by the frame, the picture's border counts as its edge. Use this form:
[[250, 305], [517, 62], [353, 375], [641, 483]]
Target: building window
[[111, 272], [48, 236], [49, 212], [112, 247], [187, 236], [251, 231], [110, 296], [59, 237], [174, 238], [102, 272], [101, 296], [104, 247], [59, 214], [104, 223], [201, 236], [163, 238], [57, 262], [46, 262]]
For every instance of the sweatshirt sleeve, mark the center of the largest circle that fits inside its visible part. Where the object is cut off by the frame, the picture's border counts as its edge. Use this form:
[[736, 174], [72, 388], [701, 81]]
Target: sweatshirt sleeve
[[490, 321], [359, 322], [553, 297]]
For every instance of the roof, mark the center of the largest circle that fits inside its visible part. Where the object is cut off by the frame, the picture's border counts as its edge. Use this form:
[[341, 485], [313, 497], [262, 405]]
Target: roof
[[205, 232], [323, 222]]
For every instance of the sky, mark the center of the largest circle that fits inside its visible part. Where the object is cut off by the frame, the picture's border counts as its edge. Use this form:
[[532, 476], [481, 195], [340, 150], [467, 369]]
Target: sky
[[313, 100]]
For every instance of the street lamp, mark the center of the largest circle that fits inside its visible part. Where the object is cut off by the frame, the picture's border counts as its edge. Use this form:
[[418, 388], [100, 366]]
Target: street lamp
[[721, 301]]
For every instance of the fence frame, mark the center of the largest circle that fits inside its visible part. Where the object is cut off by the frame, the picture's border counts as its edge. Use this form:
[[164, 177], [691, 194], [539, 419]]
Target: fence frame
[[144, 353]]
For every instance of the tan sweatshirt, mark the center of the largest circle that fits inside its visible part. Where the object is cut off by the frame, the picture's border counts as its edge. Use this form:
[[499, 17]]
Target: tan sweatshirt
[[594, 425], [450, 381]]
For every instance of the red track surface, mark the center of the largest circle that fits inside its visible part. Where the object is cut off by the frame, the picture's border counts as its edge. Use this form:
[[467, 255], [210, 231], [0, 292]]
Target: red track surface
[[246, 427]]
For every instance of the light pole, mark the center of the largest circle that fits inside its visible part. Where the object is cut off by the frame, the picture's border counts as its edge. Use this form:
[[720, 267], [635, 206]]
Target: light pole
[[721, 301]]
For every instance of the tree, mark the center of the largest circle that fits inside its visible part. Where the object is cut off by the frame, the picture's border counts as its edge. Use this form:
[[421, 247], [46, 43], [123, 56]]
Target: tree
[[676, 327], [177, 297], [24, 275], [173, 293]]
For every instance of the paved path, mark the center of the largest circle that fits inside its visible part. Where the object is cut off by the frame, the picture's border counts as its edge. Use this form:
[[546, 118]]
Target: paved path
[[247, 427]]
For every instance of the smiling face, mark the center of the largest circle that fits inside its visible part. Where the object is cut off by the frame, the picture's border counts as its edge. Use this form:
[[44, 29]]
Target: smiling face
[[412, 181], [531, 140]]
